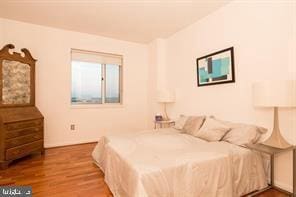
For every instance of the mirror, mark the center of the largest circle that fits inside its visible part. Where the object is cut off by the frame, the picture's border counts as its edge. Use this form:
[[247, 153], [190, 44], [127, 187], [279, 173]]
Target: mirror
[[16, 82], [17, 78]]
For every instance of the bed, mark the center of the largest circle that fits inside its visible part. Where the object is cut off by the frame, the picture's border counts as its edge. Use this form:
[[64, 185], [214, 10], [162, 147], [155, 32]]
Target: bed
[[167, 163]]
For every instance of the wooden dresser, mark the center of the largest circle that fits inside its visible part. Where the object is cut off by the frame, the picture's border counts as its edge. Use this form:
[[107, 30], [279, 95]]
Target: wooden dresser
[[21, 123], [21, 131]]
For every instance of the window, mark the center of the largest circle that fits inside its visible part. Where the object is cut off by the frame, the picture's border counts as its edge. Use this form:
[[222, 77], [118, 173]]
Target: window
[[96, 78]]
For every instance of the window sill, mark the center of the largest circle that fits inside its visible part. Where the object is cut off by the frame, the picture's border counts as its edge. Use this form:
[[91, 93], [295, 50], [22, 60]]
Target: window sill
[[93, 106]]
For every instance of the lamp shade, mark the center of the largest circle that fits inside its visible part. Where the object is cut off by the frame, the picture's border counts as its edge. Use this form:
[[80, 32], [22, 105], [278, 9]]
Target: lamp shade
[[275, 93], [165, 96]]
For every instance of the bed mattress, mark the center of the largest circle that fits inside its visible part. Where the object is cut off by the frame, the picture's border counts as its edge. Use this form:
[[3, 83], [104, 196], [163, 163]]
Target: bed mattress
[[167, 163]]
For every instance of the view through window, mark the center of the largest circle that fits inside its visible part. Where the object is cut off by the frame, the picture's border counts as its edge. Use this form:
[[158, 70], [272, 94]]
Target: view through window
[[96, 78]]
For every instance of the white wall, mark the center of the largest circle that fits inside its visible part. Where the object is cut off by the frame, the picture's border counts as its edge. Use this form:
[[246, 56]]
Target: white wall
[[263, 36], [156, 76], [152, 81], [51, 47]]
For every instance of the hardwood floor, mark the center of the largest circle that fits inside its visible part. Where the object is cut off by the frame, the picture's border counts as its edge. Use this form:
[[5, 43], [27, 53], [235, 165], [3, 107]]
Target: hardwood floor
[[63, 171], [66, 171], [272, 193]]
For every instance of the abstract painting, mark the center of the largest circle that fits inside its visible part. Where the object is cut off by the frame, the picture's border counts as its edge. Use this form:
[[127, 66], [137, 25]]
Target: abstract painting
[[216, 68]]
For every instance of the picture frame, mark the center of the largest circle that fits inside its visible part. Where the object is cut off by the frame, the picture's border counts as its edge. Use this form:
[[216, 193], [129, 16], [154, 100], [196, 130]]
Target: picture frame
[[216, 68], [158, 118]]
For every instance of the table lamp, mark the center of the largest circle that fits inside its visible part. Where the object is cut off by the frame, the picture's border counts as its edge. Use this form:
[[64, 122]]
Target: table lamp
[[165, 97], [275, 94]]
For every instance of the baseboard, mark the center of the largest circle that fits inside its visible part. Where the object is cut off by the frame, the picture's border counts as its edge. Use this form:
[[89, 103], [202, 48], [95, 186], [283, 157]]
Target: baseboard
[[53, 145]]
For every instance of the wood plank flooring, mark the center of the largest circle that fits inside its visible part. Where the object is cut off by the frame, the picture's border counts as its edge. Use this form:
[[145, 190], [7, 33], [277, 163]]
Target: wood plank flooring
[[66, 171], [273, 193], [63, 171]]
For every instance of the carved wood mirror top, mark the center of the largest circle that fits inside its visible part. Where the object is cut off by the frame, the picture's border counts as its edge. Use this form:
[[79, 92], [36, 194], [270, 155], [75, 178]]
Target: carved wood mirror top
[[17, 78]]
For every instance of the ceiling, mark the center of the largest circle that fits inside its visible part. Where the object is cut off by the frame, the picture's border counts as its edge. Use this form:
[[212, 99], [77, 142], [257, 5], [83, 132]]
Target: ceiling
[[131, 20]]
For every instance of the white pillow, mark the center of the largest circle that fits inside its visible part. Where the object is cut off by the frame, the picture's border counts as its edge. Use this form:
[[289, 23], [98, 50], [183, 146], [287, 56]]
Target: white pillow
[[212, 130], [193, 124], [241, 134], [180, 122], [244, 134]]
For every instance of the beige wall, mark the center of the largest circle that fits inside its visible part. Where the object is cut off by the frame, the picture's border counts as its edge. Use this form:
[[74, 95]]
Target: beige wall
[[152, 81], [263, 36], [157, 76], [52, 49], [1, 33]]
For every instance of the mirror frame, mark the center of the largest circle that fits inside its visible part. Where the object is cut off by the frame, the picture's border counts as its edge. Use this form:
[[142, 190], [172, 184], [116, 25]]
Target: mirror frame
[[25, 59]]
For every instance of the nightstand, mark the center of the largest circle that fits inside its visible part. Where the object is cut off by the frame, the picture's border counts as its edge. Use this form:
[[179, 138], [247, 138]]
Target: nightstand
[[163, 124], [272, 152]]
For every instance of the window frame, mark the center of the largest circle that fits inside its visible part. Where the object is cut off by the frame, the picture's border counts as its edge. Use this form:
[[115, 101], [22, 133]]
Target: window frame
[[103, 82]]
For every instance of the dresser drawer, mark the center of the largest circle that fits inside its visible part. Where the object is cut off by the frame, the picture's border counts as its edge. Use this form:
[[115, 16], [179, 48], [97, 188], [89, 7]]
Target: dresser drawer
[[23, 140], [14, 153], [23, 124], [22, 132]]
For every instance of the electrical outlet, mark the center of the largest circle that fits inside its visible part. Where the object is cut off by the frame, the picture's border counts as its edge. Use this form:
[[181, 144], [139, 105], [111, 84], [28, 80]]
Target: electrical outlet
[[72, 127]]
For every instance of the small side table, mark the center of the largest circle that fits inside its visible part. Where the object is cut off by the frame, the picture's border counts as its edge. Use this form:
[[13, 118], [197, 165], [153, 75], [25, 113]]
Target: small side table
[[272, 151], [163, 124]]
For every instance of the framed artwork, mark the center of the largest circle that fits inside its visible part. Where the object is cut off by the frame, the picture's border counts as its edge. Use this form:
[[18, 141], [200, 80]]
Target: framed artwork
[[216, 68], [158, 118]]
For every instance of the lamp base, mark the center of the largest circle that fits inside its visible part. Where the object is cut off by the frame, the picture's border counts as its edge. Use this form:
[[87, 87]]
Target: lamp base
[[276, 143], [276, 139], [166, 117]]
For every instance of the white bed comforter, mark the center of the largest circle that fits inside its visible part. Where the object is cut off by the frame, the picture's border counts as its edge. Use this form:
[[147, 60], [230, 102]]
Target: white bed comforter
[[170, 164]]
